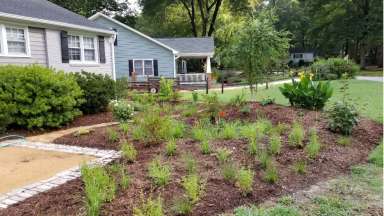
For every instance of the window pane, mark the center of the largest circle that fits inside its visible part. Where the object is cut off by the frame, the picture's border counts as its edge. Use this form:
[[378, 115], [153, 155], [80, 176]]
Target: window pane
[[16, 47], [138, 67], [15, 34], [73, 41], [74, 54], [88, 43], [89, 55], [148, 69], [15, 40]]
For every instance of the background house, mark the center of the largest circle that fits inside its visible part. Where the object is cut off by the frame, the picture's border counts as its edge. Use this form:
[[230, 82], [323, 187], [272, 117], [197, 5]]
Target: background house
[[299, 57], [40, 32]]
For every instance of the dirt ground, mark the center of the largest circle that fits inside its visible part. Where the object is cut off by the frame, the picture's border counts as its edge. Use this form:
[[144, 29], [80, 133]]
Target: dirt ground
[[23, 166], [219, 195]]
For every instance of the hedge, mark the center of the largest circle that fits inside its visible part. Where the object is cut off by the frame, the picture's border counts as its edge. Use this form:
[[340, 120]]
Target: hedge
[[334, 68]]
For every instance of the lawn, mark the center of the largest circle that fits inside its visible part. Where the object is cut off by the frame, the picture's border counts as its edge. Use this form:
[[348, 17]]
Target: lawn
[[376, 73], [366, 95]]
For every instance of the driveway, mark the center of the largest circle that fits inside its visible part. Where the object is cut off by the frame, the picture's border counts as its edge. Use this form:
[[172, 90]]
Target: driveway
[[370, 78]]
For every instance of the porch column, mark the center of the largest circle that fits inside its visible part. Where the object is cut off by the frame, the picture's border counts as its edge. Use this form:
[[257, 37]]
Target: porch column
[[208, 71]]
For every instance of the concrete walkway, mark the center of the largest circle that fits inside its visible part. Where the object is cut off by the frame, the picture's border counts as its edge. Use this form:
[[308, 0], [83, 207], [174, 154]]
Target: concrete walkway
[[51, 136], [370, 78]]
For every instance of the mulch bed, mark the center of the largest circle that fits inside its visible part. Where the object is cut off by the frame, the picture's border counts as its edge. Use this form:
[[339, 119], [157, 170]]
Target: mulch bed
[[219, 195]]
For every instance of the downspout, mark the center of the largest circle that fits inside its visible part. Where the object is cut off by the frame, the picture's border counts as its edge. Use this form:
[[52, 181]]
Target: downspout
[[113, 58]]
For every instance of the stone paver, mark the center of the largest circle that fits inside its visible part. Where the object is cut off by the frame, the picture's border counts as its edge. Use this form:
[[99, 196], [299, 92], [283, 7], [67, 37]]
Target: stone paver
[[50, 137], [102, 157]]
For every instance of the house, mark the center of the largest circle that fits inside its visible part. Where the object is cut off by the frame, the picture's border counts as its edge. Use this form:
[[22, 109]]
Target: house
[[40, 32], [139, 57], [301, 57]]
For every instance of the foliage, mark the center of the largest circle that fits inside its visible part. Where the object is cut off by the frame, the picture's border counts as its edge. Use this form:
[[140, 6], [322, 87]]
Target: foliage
[[124, 127], [89, 8], [205, 148], [99, 187], [238, 100], [280, 128], [296, 136], [193, 187], [253, 147], [171, 147], [342, 117], [244, 180], [159, 172], [331, 206], [229, 171], [275, 144], [182, 206], [267, 101], [334, 68], [229, 131], [122, 110], [195, 97], [177, 129], [189, 111], [245, 110], [306, 93], [344, 141], [149, 207], [300, 167], [166, 89], [263, 126], [271, 173], [37, 97], [212, 106], [125, 179], [376, 156], [190, 163], [112, 135], [98, 91], [273, 211], [265, 159], [313, 147], [223, 154], [128, 151]]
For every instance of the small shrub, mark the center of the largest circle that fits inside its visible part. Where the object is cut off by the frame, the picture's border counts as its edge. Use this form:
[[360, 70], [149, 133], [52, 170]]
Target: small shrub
[[286, 200], [99, 187], [344, 141], [122, 111], [271, 173], [199, 134], [192, 187], [195, 97], [205, 148], [275, 144], [313, 147], [112, 135], [296, 135], [128, 152], [229, 131], [223, 155], [280, 128], [265, 159], [300, 167], [253, 147], [249, 131], [229, 171], [263, 126], [149, 207], [182, 206], [189, 111], [212, 105], [170, 147], [159, 173], [177, 129], [342, 117], [190, 163], [166, 89], [125, 179], [244, 180], [238, 100], [124, 127], [267, 101], [334, 68], [245, 110], [376, 156]]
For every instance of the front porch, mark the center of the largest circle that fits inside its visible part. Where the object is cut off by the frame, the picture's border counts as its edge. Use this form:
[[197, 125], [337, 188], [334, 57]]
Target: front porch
[[193, 70]]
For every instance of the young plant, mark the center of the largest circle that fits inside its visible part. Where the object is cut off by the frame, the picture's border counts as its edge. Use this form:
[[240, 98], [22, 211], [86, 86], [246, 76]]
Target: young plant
[[280, 128], [149, 207], [300, 167], [128, 152], [248, 131], [125, 179], [190, 163], [245, 180], [223, 155], [253, 148], [275, 144], [189, 111], [265, 159], [271, 173], [229, 131], [199, 134], [195, 97], [342, 117], [182, 206], [296, 136], [229, 171], [344, 141], [205, 148], [263, 126], [124, 127], [112, 135], [192, 187], [159, 173], [313, 147], [170, 147], [177, 129]]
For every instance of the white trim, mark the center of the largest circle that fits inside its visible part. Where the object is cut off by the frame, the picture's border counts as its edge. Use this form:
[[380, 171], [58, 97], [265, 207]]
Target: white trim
[[174, 66], [98, 14], [112, 44], [181, 54], [4, 52], [56, 23]]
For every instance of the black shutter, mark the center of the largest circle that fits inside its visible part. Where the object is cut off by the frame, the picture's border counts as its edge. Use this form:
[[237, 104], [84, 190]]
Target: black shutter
[[155, 68], [64, 47], [101, 50], [115, 42], [130, 65]]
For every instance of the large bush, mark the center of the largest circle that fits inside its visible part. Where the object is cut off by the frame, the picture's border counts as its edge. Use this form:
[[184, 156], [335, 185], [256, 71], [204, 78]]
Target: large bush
[[36, 96], [98, 91], [306, 93], [334, 68]]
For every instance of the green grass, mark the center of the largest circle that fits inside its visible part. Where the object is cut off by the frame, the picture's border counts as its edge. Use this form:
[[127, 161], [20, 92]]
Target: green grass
[[377, 73], [366, 95]]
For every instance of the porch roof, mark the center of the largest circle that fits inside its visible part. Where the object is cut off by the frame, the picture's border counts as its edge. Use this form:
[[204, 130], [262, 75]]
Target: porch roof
[[191, 47]]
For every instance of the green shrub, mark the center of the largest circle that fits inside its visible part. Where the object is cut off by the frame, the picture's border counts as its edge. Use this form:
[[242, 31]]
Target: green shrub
[[128, 152], [344, 141], [229, 131], [300, 167], [376, 156], [280, 128], [192, 187], [212, 106], [306, 93], [98, 91], [149, 207], [275, 144], [159, 173], [202, 132], [313, 147], [267, 101], [238, 100], [223, 155], [166, 89], [244, 180], [177, 129], [125, 179], [342, 118], [331, 206], [189, 111], [271, 174], [122, 111], [182, 206], [121, 88], [124, 127], [253, 147], [38, 97], [265, 159], [170, 147], [195, 97], [229, 171], [296, 136], [99, 187], [190, 163], [249, 131], [334, 68], [205, 148], [263, 126], [245, 110], [112, 135]]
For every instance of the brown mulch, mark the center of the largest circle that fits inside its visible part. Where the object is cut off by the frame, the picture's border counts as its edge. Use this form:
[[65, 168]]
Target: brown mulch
[[219, 195]]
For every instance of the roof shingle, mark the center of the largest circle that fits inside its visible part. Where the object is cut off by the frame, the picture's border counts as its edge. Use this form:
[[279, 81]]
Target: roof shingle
[[202, 45]]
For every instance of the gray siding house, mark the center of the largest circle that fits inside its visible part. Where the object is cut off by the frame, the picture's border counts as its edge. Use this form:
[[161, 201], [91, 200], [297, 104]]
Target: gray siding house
[[138, 56], [40, 32]]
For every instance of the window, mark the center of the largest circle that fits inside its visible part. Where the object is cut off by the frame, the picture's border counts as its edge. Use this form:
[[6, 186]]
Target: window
[[298, 55], [82, 48], [14, 41], [143, 67]]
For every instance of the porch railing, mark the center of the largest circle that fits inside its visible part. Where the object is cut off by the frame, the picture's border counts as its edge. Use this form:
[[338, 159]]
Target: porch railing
[[191, 78]]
